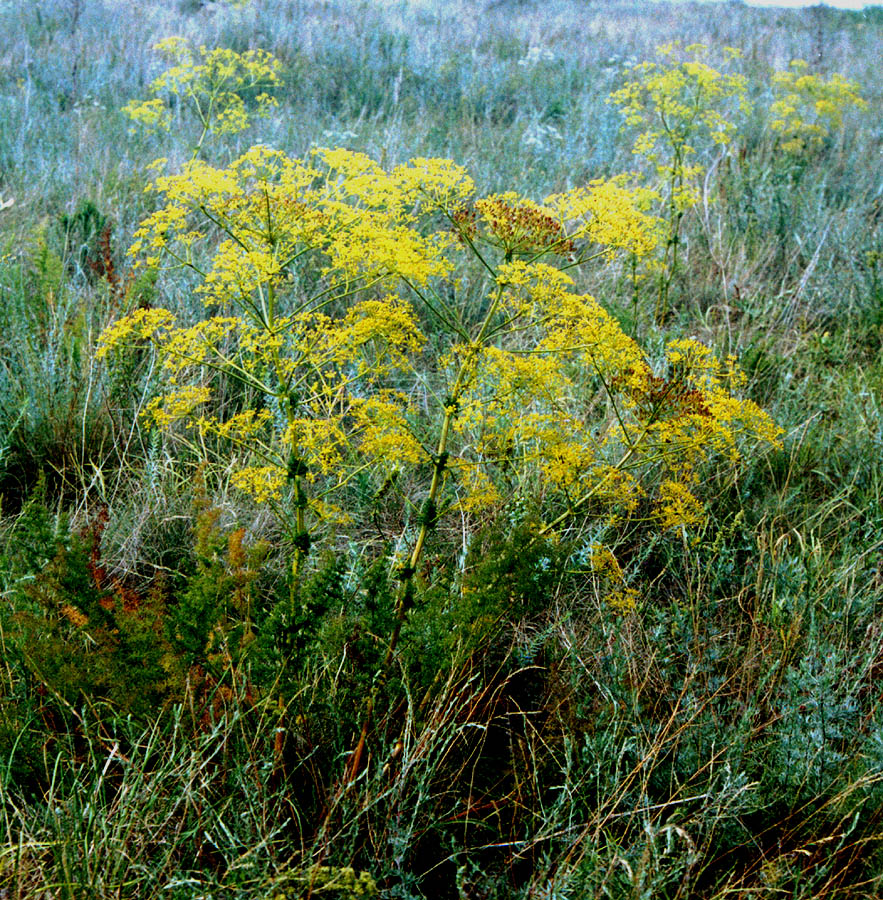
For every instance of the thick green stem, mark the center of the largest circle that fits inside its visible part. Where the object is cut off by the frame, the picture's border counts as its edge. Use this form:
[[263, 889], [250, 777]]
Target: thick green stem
[[405, 592], [301, 536]]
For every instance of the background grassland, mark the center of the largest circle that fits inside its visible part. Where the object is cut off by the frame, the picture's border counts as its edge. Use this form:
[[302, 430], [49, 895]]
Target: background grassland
[[725, 739]]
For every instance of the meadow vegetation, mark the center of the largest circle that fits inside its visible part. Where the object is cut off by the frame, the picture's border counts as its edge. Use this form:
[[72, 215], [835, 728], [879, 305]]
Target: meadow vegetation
[[439, 451]]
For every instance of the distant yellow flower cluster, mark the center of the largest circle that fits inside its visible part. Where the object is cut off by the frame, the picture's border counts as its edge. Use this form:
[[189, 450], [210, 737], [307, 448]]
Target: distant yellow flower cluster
[[211, 83], [679, 105], [678, 101], [809, 107]]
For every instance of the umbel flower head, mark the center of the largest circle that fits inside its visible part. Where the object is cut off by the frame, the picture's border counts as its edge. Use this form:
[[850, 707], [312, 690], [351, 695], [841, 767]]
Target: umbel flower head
[[807, 107], [213, 84]]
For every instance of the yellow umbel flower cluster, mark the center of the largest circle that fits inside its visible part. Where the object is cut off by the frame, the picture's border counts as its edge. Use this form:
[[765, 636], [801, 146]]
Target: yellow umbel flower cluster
[[211, 83], [678, 507], [807, 108], [679, 105], [612, 213], [677, 102]]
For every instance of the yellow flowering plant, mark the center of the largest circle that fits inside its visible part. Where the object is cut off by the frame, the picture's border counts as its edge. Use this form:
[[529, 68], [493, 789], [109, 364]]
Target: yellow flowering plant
[[807, 107], [389, 330], [331, 294], [678, 104], [212, 84]]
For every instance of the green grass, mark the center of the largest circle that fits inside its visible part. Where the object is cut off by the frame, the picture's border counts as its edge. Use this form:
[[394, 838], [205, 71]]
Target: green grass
[[723, 740]]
